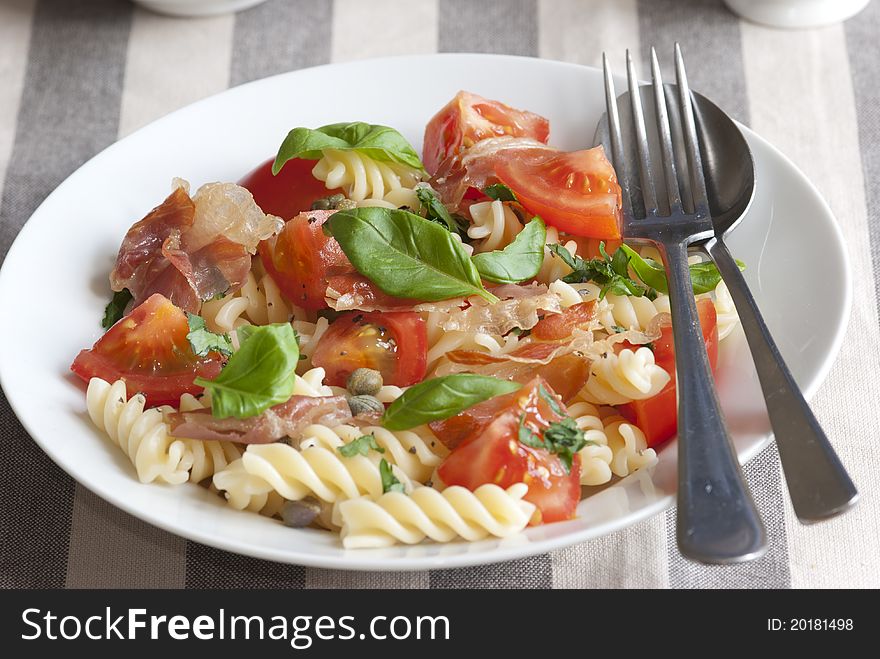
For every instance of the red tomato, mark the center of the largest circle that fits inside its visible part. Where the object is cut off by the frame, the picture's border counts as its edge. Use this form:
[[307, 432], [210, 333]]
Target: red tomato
[[576, 192], [148, 349], [394, 343], [290, 192], [487, 450], [658, 416], [469, 118]]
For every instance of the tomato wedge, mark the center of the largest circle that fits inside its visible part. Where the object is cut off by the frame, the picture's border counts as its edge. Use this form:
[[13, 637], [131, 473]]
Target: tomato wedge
[[149, 351], [658, 416], [486, 449], [290, 192], [469, 118], [394, 343], [577, 192]]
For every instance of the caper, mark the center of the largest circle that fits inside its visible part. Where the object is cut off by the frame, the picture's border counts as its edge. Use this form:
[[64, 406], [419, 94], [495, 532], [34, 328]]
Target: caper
[[365, 405], [321, 204], [346, 205], [334, 199], [298, 514], [364, 381]]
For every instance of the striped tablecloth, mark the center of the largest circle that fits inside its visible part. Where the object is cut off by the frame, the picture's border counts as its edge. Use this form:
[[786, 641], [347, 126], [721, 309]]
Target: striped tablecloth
[[75, 75]]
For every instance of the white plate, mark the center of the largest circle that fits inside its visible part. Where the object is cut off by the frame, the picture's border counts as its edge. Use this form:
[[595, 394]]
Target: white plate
[[55, 277]]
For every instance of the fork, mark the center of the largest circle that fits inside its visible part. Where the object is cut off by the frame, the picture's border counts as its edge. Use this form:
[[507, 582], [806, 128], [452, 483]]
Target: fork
[[717, 520]]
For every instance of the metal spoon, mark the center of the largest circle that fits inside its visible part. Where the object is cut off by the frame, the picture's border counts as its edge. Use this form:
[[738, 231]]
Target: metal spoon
[[818, 484]]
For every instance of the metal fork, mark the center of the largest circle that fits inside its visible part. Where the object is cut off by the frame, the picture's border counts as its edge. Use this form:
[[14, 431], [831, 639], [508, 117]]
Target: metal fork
[[717, 519]]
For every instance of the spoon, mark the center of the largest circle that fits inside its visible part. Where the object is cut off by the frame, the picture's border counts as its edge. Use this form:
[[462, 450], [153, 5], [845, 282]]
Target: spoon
[[818, 483]]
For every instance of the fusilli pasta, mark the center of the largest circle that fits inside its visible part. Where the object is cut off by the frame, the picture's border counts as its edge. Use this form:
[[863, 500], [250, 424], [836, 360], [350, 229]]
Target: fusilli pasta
[[494, 224], [441, 516], [621, 378], [553, 267], [362, 177]]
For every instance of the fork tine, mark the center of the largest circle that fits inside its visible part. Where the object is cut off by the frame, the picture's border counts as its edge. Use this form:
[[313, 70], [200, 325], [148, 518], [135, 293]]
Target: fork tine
[[665, 136], [698, 182], [645, 170], [614, 132]]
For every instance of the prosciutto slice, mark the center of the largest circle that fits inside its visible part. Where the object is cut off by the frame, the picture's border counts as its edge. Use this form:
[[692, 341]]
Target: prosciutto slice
[[475, 167], [286, 420], [192, 249]]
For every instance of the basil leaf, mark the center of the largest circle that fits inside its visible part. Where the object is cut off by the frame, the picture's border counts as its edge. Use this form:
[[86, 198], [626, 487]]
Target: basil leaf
[[551, 400], [562, 438], [116, 308], [406, 255], [518, 261], [202, 340], [604, 270], [437, 212], [377, 142], [527, 436], [704, 276], [261, 374], [500, 192], [389, 480], [441, 398], [360, 446]]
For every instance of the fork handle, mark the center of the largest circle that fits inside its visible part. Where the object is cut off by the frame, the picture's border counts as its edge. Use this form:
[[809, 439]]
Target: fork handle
[[717, 520], [818, 483]]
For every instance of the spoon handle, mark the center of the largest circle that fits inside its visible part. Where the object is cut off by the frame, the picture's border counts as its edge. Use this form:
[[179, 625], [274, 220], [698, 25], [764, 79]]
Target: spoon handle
[[717, 521], [818, 483]]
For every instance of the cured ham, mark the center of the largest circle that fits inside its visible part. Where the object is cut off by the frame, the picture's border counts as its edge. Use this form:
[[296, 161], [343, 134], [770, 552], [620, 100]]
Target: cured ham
[[191, 249], [286, 420]]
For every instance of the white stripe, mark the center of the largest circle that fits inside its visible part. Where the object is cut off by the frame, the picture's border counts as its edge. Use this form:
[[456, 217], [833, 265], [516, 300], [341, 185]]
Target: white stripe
[[383, 27], [635, 557], [171, 63], [15, 36], [574, 31], [348, 579], [801, 99]]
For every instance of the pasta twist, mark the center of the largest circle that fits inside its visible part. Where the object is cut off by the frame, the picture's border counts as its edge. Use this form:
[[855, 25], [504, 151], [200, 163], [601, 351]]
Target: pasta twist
[[244, 491], [207, 457], [309, 335], [441, 516], [494, 224], [616, 379], [141, 434], [630, 312], [257, 302], [311, 383], [554, 268], [395, 198], [362, 177], [316, 471], [416, 452], [728, 319]]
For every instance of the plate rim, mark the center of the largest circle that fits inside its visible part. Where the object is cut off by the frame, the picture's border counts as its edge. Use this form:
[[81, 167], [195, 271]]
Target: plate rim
[[350, 560]]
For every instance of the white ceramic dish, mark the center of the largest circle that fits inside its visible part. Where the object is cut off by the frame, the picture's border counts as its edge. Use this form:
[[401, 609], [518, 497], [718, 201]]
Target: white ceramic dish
[[57, 271]]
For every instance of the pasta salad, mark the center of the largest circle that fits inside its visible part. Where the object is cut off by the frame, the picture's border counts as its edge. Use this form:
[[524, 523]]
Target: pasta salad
[[392, 347]]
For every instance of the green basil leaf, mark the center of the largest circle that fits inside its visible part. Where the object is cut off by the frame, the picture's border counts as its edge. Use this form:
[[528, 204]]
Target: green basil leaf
[[259, 375], [202, 340], [441, 398], [360, 446], [551, 400], [389, 480], [500, 192], [518, 261], [115, 308], [603, 271], [704, 276], [406, 255], [527, 436], [378, 142], [437, 211]]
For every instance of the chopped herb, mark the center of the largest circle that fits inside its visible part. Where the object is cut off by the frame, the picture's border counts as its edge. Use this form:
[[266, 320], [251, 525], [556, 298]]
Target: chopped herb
[[116, 308], [500, 192], [203, 341], [562, 438], [360, 446], [389, 480], [437, 212], [551, 400], [612, 273]]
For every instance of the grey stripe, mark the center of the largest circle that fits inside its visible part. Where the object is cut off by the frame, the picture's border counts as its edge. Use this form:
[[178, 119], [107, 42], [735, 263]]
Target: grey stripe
[[532, 572], [710, 41], [68, 113], [508, 27], [710, 38], [279, 36], [861, 43], [491, 26], [771, 571], [207, 567]]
